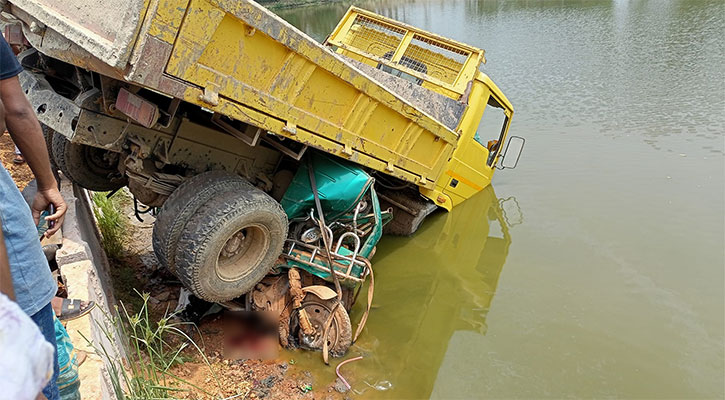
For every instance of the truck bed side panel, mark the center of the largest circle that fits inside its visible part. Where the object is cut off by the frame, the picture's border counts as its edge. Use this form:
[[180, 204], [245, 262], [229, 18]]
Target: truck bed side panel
[[250, 57]]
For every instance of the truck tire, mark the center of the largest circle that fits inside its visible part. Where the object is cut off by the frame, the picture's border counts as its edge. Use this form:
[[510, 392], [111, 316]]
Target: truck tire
[[182, 204], [230, 244], [405, 223], [89, 167]]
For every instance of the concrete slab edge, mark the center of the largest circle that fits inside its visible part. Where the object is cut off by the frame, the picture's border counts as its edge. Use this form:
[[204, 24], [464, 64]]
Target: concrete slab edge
[[86, 272]]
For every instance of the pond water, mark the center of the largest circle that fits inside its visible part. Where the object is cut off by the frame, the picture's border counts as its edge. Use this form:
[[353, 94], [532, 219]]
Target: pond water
[[595, 268]]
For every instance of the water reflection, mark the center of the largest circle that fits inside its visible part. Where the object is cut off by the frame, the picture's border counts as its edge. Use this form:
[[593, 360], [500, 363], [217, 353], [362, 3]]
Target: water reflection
[[445, 284]]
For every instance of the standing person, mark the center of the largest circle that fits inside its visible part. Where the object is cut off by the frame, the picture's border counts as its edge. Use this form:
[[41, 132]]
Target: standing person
[[33, 283]]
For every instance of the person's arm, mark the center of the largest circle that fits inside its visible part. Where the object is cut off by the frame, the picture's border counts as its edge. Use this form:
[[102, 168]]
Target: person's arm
[[6, 280], [23, 126]]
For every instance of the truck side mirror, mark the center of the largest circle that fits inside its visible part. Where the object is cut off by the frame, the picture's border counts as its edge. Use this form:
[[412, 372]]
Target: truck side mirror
[[512, 153]]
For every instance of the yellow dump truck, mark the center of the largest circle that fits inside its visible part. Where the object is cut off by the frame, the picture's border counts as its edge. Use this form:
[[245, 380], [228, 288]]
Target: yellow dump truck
[[250, 140]]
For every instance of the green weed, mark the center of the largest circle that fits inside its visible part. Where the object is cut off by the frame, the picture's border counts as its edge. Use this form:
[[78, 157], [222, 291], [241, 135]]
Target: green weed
[[111, 222]]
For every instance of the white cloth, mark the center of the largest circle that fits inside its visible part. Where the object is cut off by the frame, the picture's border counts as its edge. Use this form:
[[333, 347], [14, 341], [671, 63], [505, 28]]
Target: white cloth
[[26, 358]]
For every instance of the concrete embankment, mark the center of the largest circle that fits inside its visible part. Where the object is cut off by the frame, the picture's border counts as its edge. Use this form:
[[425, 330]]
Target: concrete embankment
[[85, 271]]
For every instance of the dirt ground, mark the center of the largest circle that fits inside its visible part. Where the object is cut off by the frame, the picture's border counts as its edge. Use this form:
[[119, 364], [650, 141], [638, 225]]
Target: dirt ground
[[20, 172]]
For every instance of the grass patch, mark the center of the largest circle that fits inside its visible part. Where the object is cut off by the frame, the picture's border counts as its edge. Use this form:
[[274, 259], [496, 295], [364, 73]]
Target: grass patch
[[114, 228], [111, 222], [152, 349]]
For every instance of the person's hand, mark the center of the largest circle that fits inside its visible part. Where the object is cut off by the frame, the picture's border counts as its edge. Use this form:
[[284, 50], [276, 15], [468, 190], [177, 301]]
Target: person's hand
[[43, 198]]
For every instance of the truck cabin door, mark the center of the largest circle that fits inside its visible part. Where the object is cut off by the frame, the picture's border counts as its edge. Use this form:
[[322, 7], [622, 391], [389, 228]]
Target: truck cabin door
[[491, 131], [475, 158]]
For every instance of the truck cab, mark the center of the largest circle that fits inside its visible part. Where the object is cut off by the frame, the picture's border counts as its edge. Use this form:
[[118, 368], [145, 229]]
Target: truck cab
[[483, 131], [441, 77]]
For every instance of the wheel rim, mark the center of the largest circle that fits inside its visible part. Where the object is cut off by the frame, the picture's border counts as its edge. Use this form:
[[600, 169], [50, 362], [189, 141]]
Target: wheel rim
[[242, 252], [318, 312], [100, 161]]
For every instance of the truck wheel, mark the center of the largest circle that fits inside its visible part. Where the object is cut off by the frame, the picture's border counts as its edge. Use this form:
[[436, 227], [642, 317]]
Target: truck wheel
[[339, 339], [230, 244], [405, 221], [90, 167], [183, 203]]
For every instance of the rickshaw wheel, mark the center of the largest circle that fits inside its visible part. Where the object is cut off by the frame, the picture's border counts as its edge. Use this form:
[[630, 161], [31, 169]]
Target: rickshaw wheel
[[339, 338]]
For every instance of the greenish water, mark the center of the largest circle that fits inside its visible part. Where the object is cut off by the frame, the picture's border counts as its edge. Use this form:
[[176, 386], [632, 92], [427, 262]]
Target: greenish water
[[594, 269]]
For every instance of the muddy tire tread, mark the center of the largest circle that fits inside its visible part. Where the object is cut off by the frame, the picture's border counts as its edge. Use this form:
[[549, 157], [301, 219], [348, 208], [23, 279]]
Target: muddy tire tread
[[199, 235], [344, 327], [48, 134], [57, 149]]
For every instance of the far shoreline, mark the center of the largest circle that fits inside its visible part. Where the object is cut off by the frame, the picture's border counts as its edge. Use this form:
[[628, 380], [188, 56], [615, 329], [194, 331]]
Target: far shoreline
[[286, 4]]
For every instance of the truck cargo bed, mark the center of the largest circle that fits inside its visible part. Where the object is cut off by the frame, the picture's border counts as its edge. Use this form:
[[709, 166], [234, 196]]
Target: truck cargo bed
[[237, 59]]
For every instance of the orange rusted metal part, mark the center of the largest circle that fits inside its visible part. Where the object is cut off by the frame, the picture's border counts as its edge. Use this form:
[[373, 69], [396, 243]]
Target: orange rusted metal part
[[298, 295]]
